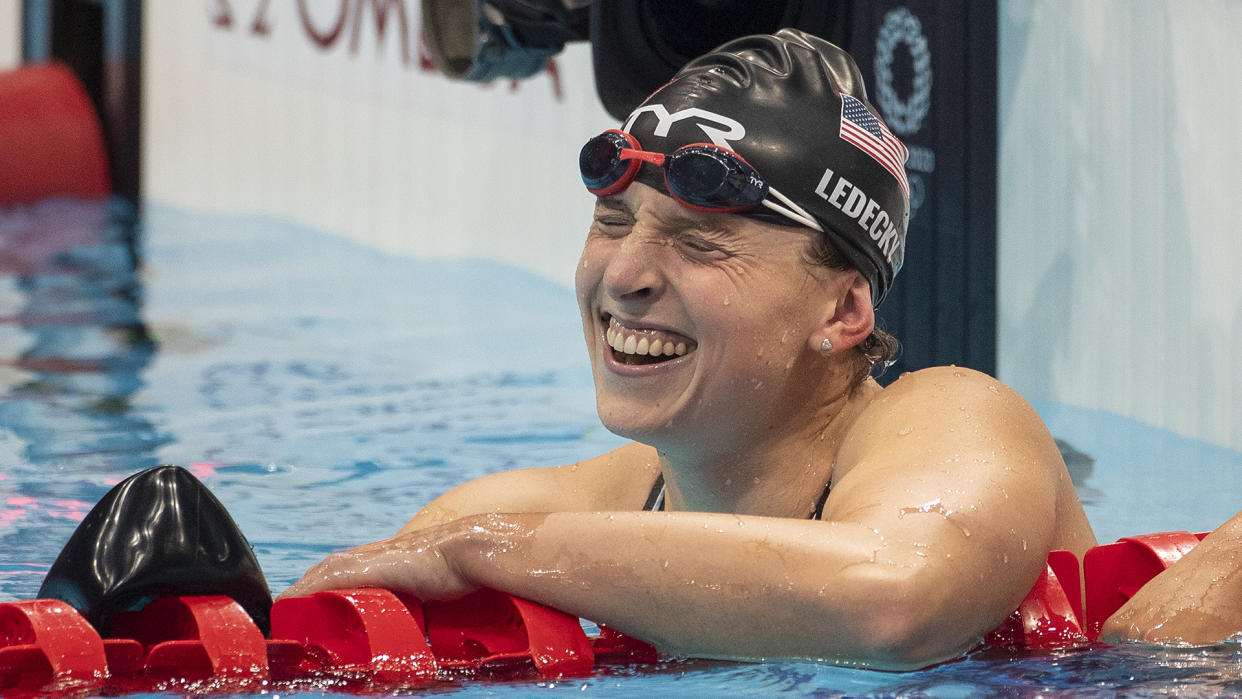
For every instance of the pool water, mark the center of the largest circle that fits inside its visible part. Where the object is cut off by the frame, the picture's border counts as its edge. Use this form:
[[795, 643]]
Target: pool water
[[325, 391]]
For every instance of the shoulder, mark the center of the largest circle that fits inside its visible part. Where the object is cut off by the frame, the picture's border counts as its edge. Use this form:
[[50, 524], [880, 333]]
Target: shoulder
[[946, 413], [617, 480], [946, 396]]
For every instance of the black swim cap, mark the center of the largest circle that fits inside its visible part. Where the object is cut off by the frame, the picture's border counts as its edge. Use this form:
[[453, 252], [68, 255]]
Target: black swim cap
[[794, 106]]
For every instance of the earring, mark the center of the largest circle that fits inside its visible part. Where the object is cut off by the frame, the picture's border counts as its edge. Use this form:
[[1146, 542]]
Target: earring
[[825, 347]]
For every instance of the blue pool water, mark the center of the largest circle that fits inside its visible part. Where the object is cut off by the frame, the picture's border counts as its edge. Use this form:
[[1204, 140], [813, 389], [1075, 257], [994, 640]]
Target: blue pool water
[[325, 391]]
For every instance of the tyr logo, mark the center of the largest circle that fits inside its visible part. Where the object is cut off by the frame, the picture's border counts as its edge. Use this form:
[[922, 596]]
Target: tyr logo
[[726, 130]]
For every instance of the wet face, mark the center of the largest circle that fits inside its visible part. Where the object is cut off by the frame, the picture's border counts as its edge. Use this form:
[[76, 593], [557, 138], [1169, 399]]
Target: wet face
[[698, 325]]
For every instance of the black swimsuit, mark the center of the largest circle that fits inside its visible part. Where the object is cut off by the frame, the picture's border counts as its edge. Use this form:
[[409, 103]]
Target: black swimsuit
[[655, 500]]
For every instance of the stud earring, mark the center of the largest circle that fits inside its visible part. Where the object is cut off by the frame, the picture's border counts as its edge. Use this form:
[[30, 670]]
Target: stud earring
[[825, 347]]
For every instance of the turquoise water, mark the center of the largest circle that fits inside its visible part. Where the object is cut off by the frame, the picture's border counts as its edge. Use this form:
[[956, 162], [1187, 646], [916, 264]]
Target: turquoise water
[[325, 391]]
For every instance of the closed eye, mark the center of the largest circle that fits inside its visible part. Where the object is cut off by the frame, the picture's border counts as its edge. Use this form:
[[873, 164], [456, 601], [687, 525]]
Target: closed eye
[[611, 213]]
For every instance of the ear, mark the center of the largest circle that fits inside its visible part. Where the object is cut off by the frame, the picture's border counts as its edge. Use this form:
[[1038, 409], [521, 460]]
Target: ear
[[848, 317]]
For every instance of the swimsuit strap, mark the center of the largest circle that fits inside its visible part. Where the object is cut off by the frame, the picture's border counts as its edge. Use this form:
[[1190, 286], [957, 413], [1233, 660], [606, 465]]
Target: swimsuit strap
[[655, 500]]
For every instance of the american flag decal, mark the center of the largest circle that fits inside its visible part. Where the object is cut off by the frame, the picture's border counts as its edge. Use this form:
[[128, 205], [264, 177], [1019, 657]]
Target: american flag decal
[[860, 127]]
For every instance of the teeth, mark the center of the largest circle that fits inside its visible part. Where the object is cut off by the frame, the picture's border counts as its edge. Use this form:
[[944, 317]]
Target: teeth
[[634, 344]]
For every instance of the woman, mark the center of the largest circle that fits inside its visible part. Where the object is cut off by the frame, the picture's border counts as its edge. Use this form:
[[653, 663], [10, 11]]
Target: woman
[[749, 216]]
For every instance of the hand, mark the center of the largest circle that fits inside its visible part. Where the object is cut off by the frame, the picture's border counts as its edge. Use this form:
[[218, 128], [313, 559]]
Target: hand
[[415, 562]]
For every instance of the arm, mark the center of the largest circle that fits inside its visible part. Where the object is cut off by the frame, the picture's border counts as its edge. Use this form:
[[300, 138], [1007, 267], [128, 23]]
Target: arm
[[1196, 600], [618, 480], [927, 549]]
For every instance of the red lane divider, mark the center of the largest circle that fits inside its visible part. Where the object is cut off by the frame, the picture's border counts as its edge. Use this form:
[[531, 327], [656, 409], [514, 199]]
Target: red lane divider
[[1116, 571], [196, 638], [492, 628], [47, 640], [363, 635], [367, 630], [393, 640], [1050, 616]]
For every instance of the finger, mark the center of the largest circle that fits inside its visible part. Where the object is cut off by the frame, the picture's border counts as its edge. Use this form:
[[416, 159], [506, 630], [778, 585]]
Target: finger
[[335, 572]]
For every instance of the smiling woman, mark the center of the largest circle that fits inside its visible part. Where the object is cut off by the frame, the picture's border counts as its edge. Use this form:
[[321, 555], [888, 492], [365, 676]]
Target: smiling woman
[[776, 501]]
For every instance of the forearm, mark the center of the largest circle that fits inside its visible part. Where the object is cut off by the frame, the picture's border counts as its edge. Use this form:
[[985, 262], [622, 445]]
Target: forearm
[[1196, 600], [722, 585]]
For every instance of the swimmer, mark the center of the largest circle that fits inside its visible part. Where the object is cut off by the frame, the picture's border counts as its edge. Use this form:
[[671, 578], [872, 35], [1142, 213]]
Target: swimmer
[[776, 501]]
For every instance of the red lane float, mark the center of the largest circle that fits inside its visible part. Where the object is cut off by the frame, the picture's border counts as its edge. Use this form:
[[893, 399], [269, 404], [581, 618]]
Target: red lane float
[[50, 139], [492, 628], [1050, 616], [366, 630], [47, 640]]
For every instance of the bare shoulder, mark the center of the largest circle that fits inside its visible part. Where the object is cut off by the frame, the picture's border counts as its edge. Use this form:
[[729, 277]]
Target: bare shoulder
[[953, 440], [952, 409], [617, 480]]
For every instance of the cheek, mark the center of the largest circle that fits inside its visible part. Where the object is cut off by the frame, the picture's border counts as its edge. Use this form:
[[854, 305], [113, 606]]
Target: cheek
[[583, 277]]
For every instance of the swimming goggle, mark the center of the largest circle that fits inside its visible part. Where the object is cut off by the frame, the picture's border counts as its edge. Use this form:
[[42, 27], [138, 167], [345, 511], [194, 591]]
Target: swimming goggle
[[700, 176]]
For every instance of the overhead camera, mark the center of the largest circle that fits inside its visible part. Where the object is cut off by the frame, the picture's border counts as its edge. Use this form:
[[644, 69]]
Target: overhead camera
[[637, 45]]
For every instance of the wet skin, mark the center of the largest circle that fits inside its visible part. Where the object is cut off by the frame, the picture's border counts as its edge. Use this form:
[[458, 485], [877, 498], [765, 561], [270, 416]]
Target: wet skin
[[1197, 600], [947, 492]]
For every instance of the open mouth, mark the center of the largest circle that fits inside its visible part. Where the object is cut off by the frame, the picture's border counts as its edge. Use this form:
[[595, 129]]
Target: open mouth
[[644, 346]]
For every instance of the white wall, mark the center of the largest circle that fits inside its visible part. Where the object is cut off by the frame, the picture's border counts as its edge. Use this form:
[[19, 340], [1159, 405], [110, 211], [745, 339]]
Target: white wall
[[360, 141], [1120, 240], [10, 33]]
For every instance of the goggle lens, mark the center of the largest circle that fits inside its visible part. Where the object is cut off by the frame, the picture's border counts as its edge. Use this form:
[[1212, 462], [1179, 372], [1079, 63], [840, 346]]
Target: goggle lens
[[601, 165], [712, 178]]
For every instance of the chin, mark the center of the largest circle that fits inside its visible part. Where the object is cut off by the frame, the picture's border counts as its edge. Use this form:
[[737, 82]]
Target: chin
[[636, 422]]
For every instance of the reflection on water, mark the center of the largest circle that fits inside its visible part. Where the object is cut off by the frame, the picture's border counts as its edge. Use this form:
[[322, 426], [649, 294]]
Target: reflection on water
[[75, 344], [72, 350], [325, 391]]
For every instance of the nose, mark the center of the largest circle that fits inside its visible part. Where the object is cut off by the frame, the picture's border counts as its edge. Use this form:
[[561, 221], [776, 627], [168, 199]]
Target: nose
[[633, 272]]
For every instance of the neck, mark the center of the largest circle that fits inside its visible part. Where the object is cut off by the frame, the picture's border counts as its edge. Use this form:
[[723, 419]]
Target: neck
[[771, 472]]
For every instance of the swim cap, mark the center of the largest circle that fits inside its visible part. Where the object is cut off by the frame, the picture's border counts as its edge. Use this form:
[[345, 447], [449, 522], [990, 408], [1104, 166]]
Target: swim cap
[[794, 106], [158, 533]]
